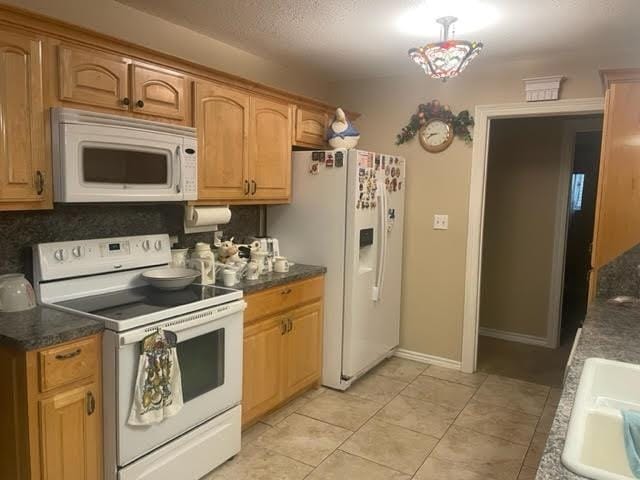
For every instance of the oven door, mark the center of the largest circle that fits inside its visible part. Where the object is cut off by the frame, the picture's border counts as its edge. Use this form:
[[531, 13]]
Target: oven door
[[210, 357], [108, 163]]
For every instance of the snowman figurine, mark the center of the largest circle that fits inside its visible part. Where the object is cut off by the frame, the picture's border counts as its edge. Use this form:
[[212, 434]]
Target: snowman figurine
[[341, 132]]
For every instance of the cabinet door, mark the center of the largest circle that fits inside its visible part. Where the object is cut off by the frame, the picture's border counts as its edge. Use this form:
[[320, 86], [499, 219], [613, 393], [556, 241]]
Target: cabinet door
[[93, 78], [310, 128], [303, 348], [23, 171], [270, 141], [262, 367], [71, 435], [222, 121], [158, 92]]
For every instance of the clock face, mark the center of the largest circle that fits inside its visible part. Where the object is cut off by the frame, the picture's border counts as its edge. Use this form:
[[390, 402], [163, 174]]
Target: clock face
[[436, 135]]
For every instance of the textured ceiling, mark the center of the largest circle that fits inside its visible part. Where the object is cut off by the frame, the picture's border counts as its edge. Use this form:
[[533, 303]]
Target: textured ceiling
[[342, 39]]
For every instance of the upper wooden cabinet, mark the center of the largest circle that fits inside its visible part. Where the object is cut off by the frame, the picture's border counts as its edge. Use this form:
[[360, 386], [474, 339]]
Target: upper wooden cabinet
[[90, 78], [113, 82], [244, 146], [25, 180], [310, 128], [157, 91], [270, 147], [617, 226]]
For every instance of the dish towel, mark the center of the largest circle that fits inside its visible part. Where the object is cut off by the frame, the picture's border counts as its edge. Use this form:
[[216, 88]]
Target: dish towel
[[631, 426], [158, 391]]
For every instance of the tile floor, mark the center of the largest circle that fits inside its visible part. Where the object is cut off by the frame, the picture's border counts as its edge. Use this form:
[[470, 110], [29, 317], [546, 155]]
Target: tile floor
[[404, 420]]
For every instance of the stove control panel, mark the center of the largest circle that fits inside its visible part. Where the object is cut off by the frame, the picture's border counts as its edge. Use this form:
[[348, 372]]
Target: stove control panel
[[86, 257]]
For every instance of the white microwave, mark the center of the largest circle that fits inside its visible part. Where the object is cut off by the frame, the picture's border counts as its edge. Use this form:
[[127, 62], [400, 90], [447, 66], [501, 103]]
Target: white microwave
[[109, 158]]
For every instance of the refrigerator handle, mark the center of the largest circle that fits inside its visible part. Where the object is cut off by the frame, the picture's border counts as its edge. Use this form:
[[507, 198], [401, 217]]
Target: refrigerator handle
[[376, 293]]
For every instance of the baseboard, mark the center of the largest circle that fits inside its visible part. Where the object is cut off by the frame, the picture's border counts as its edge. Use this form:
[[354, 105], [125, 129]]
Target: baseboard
[[514, 337], [430, 359]]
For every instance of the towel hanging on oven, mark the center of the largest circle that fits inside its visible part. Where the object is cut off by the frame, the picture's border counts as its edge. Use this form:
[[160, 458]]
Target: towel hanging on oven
[[158, 390]]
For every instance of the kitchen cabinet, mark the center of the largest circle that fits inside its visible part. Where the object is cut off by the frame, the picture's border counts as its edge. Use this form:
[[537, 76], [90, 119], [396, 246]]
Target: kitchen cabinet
[[244, 146], [310, 128], [51, 415], [25, 180], [282, 345], [117, 83]]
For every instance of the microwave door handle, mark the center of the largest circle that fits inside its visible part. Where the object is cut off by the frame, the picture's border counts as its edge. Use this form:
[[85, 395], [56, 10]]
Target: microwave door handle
[[178, 164]]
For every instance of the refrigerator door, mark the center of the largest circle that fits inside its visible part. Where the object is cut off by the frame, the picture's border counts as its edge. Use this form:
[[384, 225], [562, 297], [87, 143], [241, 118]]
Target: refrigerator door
[[373, 260], [312, 230]]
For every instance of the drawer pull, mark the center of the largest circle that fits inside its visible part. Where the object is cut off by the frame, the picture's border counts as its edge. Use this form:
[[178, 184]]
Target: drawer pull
[[285, 292], [126, 101], [283, 327], [140, 104], [91, 403], [67, 356], [290, 325], [39, 182]]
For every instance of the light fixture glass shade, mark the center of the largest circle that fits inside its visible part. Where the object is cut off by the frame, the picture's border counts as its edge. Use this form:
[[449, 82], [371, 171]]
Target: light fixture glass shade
[[445, 59]]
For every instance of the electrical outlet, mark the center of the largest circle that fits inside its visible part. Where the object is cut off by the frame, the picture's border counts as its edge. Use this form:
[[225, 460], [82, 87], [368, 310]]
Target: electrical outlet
[[440, 222]]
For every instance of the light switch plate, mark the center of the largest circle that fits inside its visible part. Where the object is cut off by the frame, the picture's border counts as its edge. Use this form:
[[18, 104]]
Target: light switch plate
[[440, 222]]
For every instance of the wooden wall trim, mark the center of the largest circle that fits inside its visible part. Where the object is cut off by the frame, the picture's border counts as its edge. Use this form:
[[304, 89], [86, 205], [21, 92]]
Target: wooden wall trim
[[60, 30]]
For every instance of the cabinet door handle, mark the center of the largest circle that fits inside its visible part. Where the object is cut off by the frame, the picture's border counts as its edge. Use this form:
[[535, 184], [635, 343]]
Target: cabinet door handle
[[140, 103], [254, 186], [67, 356], [91, 403], [39, 182], [286, 291], [126, 101], [246, 187], [290, 327], [283, 327]]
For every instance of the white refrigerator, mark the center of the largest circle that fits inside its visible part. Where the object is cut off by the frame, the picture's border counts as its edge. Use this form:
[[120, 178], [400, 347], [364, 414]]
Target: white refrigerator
[[347, 213]]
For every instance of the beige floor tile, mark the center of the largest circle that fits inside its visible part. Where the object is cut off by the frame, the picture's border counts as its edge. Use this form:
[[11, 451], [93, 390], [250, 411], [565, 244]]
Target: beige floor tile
[[346, 411], [535, 450], [344, 466], [439, 391], [304, 439], [391, 446], [452, 375], [418, 415], [376, 388], [512, 425], [436, 469], [546, 420], [254, 463], [476, 453], [400, 369], [283, 412], [252, 433], [554, 396], [513, 394], [527, 473], [316, 392]]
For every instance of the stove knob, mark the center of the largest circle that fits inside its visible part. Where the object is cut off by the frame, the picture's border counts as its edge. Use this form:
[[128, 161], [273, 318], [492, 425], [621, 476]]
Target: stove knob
[[78, 251], [60, 254], [146, 245], [158, 244]]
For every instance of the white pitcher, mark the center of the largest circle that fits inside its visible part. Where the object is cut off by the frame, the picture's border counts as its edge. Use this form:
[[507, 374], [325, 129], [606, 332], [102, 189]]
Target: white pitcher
[[203, 260], [16, 293]]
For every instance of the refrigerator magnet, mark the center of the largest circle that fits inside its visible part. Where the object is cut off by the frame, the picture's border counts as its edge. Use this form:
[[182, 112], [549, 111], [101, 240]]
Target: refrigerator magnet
[[314, 168], [339, 159], [329, 161]]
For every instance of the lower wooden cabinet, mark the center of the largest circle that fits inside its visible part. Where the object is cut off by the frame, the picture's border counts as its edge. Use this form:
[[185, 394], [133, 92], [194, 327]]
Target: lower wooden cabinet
[[52, 431], [283, 350]]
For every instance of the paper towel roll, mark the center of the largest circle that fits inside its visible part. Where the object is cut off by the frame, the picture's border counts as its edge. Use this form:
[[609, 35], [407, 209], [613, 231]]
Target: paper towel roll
[[205, 219]]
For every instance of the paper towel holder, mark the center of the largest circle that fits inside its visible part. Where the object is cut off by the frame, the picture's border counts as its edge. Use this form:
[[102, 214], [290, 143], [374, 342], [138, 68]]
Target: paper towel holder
[[189, 215]]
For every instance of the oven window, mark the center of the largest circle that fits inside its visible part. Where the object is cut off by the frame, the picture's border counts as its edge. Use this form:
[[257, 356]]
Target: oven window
[[104, 164], [201, 364]]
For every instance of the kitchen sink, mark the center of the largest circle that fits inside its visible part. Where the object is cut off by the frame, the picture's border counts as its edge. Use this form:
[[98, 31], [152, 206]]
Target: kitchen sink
[[594, 447]]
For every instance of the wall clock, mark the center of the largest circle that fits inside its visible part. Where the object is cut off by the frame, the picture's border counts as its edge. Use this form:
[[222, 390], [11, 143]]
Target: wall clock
[[436, 135]]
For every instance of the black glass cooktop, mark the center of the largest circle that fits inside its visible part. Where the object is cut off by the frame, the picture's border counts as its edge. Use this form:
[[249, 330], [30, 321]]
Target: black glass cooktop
[[136, 302]]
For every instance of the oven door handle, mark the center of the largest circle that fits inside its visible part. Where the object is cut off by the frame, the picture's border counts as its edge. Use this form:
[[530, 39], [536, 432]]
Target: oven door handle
[[177, 325]]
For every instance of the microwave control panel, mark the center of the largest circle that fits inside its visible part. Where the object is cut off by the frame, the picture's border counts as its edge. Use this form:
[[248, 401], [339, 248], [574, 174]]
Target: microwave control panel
[[190, 169]]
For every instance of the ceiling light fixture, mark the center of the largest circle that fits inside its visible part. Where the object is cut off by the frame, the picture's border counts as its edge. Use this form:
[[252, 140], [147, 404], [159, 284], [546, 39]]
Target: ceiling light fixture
[[447, 58]]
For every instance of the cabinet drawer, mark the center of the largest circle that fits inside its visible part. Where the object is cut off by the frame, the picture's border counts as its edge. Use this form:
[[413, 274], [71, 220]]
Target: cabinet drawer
[[67, 363], [283, 297]]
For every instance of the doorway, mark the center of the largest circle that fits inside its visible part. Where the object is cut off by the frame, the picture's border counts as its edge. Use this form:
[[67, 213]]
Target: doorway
[[539, 208], [484, 115]]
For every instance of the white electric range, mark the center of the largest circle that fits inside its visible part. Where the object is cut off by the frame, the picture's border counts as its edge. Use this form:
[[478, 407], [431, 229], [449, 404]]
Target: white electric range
[[102, 279]]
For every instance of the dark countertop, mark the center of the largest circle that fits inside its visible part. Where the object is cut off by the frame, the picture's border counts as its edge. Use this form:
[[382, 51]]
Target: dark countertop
[[42, 327], [296, 272], [609, 331]]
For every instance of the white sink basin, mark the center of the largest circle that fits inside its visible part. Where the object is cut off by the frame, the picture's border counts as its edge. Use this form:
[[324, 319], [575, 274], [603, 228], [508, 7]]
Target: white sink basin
[[594, 447]]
